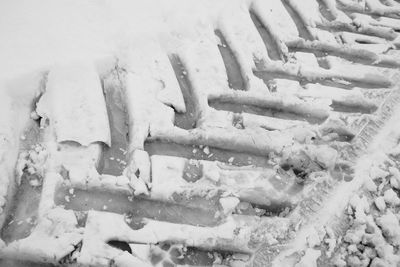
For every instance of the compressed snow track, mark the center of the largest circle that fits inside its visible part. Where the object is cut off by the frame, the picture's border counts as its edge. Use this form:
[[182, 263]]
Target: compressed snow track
[[227, 146]]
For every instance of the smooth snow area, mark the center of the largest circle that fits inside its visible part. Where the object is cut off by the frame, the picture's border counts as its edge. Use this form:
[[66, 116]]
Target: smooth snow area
[[36, 34]]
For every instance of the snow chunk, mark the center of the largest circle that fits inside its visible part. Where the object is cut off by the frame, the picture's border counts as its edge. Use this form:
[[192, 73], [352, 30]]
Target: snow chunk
[[391, 197], [138, 186], [139, 166], [378, 262], [395, 179], [380, 203], [360, 207], [390, 226], [324, 155], [228, 204], [74, 104], [313, 239], [309, 259], [376, 172], [355, 235], [34, 161]]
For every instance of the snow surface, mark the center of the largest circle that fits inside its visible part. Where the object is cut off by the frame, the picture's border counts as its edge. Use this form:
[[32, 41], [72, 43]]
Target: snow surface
[[36, 34]]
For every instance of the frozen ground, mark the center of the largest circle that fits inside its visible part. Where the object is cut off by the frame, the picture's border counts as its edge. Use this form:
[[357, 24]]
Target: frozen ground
[[191, 133]]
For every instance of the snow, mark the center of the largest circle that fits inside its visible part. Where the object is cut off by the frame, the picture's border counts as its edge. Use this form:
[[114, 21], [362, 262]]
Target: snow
[[105, 226], [139, 167], [380, 203], [390, 226], [56, 233], [369, 169], [283, 27], [228, 204], [391, 197], [74, 105], [41, 37], [374, 224], [313, 239], [395, 179], [309, 259], [36, 35], [254, 185]]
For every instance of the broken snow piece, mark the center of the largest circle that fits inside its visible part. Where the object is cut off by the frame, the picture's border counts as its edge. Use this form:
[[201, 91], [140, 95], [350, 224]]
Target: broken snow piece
[[228, 204], [139, 187], [33, 161], [376, 172], [394, 183], [74, 105], [360, 207], [324, 155], [255, 185], [309, 259], [391, 197], [313, 239], [355, 235], [331, 243], [390, 227], [395, 176], [309, 158], [139, 166], [79, 162], [380, 203]]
